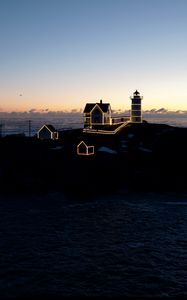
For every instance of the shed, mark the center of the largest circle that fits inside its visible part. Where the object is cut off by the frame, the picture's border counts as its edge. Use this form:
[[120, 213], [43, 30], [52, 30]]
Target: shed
[[46, 132], [83, 149]]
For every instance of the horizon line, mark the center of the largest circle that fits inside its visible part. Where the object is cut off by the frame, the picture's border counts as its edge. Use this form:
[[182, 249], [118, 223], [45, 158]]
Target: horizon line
[[77, 111]]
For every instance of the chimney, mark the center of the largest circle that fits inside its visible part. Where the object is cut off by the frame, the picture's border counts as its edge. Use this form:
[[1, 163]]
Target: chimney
[[101, 101]]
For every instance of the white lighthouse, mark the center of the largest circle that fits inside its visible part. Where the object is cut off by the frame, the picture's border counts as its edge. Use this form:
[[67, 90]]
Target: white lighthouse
[[136, 111]]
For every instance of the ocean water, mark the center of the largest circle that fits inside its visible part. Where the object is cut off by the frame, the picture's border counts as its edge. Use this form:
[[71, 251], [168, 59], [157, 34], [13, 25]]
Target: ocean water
[[119, 245], [19, 123], [179, 120]]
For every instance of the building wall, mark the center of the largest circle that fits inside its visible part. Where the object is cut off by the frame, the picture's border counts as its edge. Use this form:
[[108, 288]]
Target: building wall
[[97, 116], [136, 119], [44, 134], [90, 150], [107, 118], [136, 111], [81, 149]]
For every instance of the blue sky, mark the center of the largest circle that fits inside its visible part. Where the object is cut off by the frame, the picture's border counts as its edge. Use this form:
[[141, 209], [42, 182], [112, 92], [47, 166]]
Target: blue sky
[[61, 54]]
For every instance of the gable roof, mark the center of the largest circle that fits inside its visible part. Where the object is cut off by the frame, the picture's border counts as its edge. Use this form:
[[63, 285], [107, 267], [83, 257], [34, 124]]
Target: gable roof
[[103, 106], [82, 143], [50, 127]]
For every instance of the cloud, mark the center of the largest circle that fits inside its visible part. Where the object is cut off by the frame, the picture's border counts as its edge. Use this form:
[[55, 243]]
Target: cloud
[[32, 110], [35, 110], [156, 111], [162, 110], [180, 112]]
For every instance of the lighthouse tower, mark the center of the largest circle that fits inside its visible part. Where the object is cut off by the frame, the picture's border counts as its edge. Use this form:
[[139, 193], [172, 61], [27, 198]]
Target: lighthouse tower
[[136, 111]]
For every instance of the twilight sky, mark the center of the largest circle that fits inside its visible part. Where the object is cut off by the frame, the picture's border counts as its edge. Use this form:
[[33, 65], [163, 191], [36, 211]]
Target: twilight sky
[[60, 54]]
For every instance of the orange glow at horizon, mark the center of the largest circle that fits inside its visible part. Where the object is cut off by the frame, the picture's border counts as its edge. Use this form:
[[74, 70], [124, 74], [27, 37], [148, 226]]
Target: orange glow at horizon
[[76, 100]]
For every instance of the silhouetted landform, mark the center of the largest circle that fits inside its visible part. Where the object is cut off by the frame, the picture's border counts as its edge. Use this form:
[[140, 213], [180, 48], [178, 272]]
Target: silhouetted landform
[[141, 157]]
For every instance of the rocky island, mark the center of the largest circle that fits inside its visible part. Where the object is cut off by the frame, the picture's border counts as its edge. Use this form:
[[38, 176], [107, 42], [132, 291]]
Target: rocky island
[[141, 157]]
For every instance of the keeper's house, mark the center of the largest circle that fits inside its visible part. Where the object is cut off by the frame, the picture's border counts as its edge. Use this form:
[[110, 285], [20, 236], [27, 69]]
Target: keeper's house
[[47, 132], [97, 114]]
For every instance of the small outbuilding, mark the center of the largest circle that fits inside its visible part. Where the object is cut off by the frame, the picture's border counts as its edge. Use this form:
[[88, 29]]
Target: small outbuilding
[[83, 149], [47, 132]]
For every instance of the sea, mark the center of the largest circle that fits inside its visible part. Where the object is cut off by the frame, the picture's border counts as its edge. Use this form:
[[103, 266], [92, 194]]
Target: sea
[[120, 244], [132, 245], [29, 124]]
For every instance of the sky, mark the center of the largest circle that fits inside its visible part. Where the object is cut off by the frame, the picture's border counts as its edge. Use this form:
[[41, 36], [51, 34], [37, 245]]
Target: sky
[[61, 54]]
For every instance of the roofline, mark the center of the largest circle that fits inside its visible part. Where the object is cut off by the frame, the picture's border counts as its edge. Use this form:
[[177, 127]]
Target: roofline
[[95, 106], [87, 148], [98, 107], [82, 142], [47, 128], [88, 104]]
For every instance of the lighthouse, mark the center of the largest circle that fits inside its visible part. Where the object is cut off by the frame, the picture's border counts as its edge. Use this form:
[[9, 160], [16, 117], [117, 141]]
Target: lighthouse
[[136, 111]]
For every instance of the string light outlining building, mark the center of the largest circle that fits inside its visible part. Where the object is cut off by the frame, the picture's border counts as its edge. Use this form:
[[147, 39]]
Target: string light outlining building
[[136, 110]]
